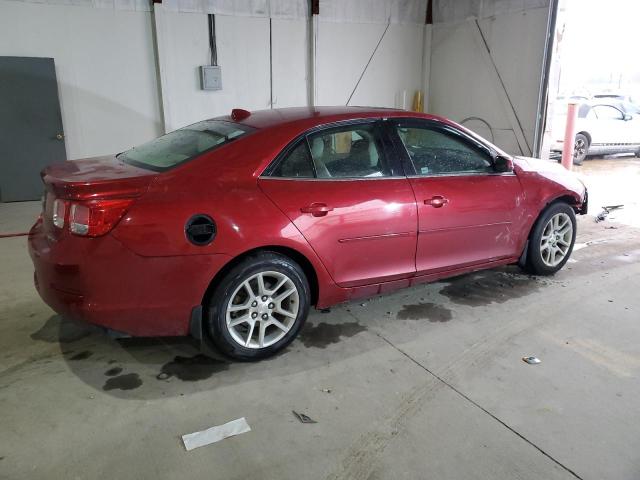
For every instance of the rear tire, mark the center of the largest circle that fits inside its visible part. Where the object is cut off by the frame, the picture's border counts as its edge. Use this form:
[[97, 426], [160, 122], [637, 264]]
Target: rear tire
[[259, 306], [580, 149], [551, 240]]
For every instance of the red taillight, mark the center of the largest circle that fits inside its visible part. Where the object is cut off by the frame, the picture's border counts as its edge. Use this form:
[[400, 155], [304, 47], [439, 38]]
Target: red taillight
[[97, 217]]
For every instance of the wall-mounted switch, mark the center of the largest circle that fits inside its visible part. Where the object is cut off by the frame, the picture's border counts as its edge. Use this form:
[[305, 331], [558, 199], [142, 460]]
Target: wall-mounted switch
[[211, 77]]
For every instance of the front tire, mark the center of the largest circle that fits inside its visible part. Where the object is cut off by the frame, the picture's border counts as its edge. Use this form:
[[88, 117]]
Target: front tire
[[580, 149], [552, 239], [259, 306]]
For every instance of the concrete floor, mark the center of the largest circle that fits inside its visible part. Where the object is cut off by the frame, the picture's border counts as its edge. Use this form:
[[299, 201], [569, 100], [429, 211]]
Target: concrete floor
[[424, 383]]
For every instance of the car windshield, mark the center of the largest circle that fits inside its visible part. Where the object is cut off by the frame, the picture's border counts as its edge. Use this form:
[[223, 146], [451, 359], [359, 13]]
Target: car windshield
[[184, 144]]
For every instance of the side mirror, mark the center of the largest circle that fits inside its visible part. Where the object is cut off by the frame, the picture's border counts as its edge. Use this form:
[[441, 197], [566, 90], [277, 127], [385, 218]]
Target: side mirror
[[502, 164], [627, 117]]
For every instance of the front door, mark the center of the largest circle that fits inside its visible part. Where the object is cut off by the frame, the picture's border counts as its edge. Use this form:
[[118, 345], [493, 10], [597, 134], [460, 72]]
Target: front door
[[609, 129], [31, 135], [467, 212], [352, 204]]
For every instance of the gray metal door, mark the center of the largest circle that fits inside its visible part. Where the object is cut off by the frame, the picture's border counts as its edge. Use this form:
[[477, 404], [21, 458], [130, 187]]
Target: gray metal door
[[31, 134]]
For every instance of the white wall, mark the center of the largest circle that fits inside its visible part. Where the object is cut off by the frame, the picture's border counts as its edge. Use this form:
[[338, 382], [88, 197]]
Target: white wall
[[290, 62], [108, 75], [461, 84], [343, 52], [243, 54], [105, 68]]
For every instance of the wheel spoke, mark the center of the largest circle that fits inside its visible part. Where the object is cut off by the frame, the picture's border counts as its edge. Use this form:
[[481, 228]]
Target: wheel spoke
[[238, 308], [559, 255], [286, 313], [565, 230], [247, 286], [564, 223], [278, 324], [261, 288], [239, 320], [284, 295], [263, 327], [250, 334], [278, 286]]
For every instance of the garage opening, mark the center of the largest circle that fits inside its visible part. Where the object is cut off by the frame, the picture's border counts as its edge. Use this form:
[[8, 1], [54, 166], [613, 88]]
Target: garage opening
[[591, 67]]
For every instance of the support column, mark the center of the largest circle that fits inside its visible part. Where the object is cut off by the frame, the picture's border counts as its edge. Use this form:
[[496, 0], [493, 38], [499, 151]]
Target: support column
[[312, 39], [426, 64], [159, 37]]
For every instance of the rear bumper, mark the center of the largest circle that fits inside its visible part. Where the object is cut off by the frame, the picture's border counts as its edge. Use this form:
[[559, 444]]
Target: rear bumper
[[100, 281]]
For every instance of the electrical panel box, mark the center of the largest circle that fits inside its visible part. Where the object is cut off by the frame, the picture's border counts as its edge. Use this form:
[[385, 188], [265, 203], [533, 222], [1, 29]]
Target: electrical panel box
[[211, 77]]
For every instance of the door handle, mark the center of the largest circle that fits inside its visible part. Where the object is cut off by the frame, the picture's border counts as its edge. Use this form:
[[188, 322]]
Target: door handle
[[437, 201], [59, 136], [317, 209]]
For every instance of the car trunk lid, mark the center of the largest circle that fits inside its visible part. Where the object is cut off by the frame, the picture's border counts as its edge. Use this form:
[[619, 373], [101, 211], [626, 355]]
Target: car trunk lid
[[90, 180], [98, 177]]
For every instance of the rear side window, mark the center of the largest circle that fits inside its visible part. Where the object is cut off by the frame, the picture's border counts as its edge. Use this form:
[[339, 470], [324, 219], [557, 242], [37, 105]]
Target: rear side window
[[184, 144], [297, 164], [354, 151]]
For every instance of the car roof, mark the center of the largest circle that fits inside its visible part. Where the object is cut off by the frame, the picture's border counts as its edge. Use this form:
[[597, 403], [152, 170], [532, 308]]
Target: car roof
[[312, 116], [297, 120]]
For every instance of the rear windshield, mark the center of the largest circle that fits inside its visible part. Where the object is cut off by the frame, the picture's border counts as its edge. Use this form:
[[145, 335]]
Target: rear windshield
[[184, 144]]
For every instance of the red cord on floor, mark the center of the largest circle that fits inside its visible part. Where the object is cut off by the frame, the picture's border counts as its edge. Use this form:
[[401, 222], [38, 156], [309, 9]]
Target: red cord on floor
[[7, 235]]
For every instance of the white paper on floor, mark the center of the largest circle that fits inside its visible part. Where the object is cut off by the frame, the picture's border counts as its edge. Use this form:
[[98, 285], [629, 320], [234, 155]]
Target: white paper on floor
[[215, 434]]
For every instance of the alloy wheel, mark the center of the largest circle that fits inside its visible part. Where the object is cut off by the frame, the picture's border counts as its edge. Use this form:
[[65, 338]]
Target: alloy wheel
[[579, 149], [556, 239], [263, 309]]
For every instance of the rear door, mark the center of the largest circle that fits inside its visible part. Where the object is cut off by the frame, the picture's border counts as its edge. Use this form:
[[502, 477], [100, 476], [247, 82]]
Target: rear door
[[467, 212], [351, 201], [31, 134]]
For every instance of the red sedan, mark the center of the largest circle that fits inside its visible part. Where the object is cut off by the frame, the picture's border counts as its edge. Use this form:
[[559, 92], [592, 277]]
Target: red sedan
[[232, 228]]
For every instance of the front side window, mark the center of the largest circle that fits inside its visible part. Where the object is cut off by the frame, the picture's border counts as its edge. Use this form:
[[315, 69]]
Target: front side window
[[441, 152], [184, 144], [606, 112], [353, 151]]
